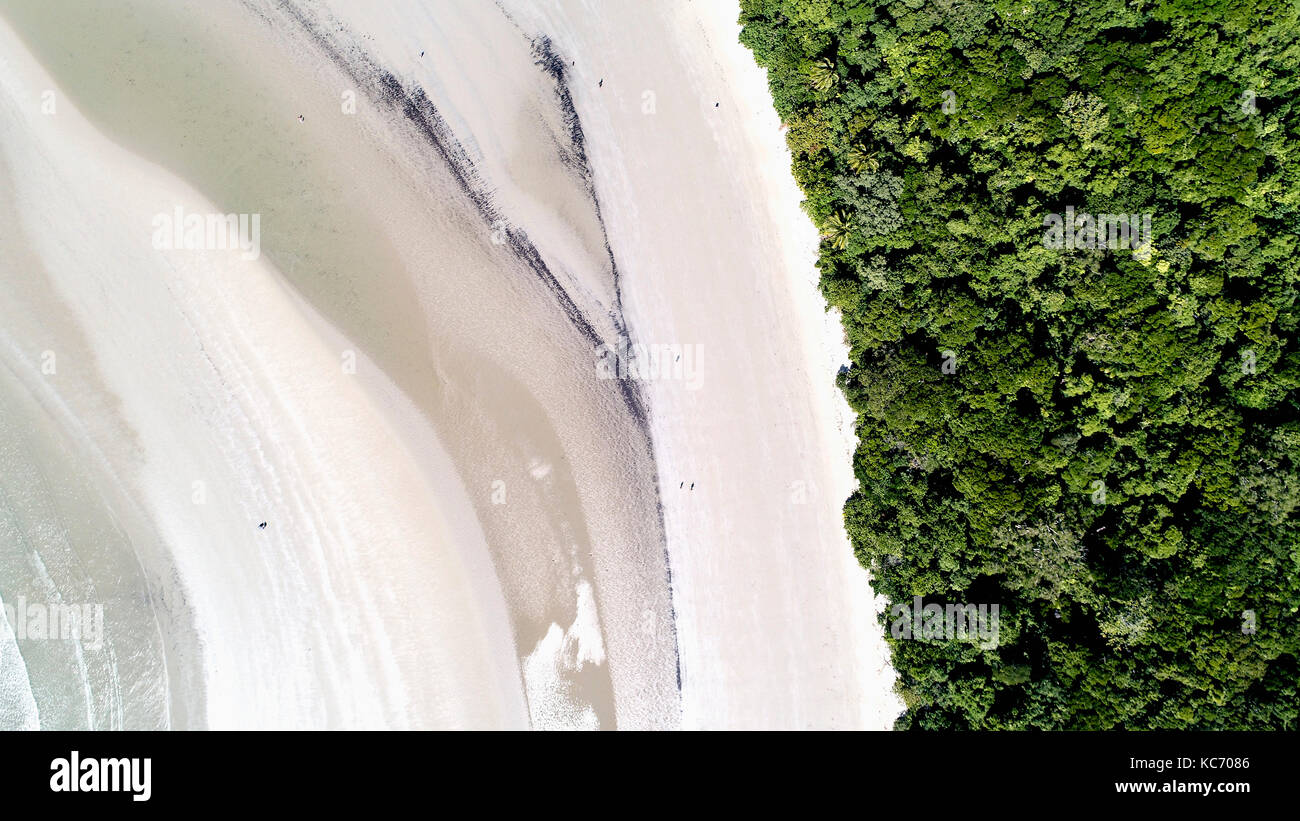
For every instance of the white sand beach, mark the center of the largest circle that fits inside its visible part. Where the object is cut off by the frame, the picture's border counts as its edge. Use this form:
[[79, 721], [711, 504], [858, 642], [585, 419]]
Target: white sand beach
[[463, 208]]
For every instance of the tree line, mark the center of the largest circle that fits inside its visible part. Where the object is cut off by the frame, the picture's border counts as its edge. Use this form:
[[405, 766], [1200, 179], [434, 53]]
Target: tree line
[[1102, 440]]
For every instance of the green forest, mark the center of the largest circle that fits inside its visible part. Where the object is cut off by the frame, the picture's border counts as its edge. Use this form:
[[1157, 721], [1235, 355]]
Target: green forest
[[1101, 438]]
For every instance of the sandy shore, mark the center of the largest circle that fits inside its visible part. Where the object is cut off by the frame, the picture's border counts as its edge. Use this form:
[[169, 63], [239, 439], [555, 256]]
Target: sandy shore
[[464, 208]]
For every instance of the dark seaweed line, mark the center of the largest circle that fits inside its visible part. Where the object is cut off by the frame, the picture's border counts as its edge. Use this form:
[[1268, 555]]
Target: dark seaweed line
[[550, 62]]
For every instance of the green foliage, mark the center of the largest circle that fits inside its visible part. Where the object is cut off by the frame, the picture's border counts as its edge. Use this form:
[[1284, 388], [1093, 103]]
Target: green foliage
[[838, 230], [1115, 458], [822, 74]]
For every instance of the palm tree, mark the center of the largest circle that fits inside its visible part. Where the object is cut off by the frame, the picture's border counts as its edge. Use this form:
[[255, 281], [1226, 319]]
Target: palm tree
[[860, 159], [822, 73], [837, 230]]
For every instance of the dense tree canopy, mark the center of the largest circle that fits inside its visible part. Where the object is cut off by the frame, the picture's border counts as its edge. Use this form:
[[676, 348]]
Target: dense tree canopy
[[1104, 441]]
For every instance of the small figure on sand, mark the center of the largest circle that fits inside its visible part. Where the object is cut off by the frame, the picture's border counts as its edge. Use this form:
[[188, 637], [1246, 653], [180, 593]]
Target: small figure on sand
[[302, 119], [692, 486], [262, 526], [601, 84], [715, 105]]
